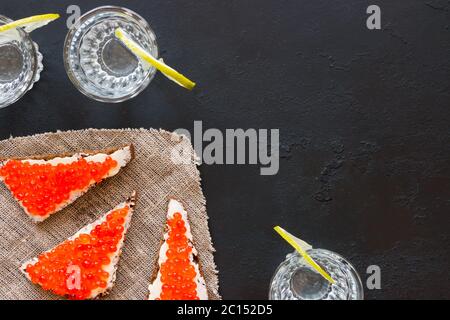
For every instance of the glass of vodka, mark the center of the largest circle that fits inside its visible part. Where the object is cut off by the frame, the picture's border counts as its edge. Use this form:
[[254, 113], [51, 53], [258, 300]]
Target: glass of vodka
[[297, 280], [98, 64], [20, 64]]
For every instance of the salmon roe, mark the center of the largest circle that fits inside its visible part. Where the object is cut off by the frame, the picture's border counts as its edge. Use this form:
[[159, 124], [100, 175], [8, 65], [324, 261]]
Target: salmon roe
[[178, 272], [40, 188], [75, 267]]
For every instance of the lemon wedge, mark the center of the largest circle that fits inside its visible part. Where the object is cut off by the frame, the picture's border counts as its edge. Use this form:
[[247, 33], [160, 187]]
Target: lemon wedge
[[141, 53], [301, 246], [31, 23]]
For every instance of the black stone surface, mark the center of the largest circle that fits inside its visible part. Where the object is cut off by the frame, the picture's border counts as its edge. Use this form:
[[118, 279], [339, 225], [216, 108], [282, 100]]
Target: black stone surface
[[363, 116]]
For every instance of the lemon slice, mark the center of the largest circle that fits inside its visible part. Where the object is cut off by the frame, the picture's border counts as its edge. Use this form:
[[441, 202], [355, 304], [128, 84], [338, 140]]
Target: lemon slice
[[301, 246], [31, 23], [141, 53]]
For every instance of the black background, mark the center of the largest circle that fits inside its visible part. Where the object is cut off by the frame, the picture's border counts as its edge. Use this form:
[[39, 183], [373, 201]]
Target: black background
[[363, 118]]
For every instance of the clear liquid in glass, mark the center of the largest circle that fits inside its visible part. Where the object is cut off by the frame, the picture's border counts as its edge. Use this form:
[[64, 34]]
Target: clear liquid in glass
[[20, 64], [297, 280], [98, 64]]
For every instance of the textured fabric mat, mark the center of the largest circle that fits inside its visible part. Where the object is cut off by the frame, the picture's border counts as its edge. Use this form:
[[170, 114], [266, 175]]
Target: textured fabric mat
[[152, 174]]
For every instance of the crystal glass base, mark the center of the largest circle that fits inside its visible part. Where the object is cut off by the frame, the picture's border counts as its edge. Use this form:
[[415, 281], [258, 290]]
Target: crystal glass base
[[20, 64], [98, 64], [297, 280]]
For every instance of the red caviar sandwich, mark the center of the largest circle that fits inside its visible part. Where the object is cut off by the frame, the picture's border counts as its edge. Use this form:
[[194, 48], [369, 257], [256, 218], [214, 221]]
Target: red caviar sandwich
[[178, 276], [84, 266], [44, 185]]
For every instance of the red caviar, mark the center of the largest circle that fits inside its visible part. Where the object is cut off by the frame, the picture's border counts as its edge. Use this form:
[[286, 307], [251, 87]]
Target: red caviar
[[40, 188], [74, 268], [178, 272]]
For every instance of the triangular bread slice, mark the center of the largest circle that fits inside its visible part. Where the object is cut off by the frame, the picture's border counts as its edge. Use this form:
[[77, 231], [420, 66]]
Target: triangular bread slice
[[44, 185], [84, 266], [178, 275]]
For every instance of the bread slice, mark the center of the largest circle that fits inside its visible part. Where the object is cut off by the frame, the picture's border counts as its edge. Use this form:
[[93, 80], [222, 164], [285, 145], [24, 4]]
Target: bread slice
[[43, 185], [84, 266], [178, 275]]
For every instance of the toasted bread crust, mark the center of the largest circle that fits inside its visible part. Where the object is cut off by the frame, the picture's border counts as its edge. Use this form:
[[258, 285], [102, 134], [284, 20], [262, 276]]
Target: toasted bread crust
[[69, 154]]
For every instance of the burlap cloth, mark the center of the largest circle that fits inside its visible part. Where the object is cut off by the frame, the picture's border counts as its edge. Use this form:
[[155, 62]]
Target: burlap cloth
[[152, 174]]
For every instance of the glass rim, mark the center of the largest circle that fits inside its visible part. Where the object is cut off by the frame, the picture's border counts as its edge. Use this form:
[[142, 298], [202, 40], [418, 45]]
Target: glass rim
[[68, 39], [25, 36]]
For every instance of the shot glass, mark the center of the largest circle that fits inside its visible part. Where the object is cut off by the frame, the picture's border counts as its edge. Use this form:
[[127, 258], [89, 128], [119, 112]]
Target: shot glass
[[98, 64], [20, 64], [297, 280]]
